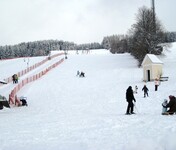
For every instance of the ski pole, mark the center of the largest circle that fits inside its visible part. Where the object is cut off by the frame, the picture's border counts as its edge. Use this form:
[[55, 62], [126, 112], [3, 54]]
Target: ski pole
[[136, 108]]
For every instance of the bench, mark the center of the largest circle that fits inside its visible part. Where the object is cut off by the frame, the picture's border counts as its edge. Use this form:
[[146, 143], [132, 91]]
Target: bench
[[164, 78]]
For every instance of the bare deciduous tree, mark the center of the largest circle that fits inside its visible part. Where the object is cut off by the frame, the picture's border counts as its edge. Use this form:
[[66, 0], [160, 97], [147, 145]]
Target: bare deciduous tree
[[145, 35]]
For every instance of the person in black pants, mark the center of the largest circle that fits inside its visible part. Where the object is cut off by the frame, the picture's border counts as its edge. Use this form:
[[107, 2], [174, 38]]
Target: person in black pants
[[145, 89], [129, 99], [156, 84]]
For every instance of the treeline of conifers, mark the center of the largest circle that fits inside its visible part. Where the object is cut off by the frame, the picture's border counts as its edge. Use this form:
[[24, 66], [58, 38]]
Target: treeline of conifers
[[114, 43], [41, 48]]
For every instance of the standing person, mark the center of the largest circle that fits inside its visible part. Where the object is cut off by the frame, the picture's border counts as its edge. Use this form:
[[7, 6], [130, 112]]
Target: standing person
[[13, 78], [171, 105], [16, 78], [145, 89], [129, 99], [156, 84]]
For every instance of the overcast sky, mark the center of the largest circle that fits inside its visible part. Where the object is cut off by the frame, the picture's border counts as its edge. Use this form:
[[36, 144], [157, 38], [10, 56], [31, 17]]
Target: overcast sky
[[79, 21]]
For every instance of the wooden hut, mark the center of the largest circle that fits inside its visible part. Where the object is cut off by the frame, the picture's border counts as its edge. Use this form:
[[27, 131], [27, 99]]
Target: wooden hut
[[152, 67]]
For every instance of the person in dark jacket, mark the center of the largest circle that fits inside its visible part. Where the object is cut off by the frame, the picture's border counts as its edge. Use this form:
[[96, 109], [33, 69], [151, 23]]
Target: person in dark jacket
[[3, 102], [82, 74], [129, 99], [13, 78], [145, 89], [171, 105]]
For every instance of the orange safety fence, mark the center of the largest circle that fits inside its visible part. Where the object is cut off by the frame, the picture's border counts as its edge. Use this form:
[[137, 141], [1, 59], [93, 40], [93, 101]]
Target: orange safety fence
[[25, 71], [12, 95]]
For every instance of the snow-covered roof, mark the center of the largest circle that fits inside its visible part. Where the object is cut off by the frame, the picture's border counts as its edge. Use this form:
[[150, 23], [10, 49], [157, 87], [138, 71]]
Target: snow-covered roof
[[153, 58]]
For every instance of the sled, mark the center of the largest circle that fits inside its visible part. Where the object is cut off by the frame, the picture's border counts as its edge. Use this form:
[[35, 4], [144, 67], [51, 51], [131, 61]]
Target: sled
[[169, 113], [3, 82]]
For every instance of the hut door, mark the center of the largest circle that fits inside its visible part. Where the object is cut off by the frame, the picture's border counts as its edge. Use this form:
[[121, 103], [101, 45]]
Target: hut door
[[148, 75]]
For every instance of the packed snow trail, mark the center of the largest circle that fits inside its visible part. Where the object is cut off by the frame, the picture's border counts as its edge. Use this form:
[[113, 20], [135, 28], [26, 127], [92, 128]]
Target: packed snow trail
[[66, 112], [11, 66]]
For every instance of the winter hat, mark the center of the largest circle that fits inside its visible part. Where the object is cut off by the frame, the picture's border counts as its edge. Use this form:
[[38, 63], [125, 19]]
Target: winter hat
[[165, 100], [171, 97]]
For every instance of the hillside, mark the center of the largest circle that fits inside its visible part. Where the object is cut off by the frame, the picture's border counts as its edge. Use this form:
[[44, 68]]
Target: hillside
[[66, 112]]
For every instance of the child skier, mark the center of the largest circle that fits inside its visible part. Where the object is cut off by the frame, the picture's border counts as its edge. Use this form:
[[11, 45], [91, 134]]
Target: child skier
[[145, 89], [78, 73], [135, 89]]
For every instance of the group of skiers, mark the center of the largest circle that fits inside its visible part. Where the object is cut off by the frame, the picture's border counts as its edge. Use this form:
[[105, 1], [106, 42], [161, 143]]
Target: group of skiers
[[5, 103], [145, 89], [22, 101], [15, 78], [165, 111], [80, 74]]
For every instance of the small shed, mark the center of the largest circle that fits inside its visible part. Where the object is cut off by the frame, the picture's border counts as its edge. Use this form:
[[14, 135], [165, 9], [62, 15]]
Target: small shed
[[152, 67]]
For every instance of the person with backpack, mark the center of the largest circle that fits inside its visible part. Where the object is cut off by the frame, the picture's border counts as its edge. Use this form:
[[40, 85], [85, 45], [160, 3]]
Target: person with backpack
[[16, 78], [130, 98], [13, 78]]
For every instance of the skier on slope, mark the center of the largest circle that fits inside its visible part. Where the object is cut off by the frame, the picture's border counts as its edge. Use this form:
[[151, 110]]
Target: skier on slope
[[82, 74], [145, 89], [78, 73], [136, 89]]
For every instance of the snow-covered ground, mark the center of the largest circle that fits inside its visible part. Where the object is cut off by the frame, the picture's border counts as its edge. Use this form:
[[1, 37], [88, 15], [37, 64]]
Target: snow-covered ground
[[66, 112], [11, 66]]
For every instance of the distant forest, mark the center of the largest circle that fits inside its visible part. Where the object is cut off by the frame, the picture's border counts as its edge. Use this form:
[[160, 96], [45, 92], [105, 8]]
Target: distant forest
[[41, 48], [114, 43], [124, 43]]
